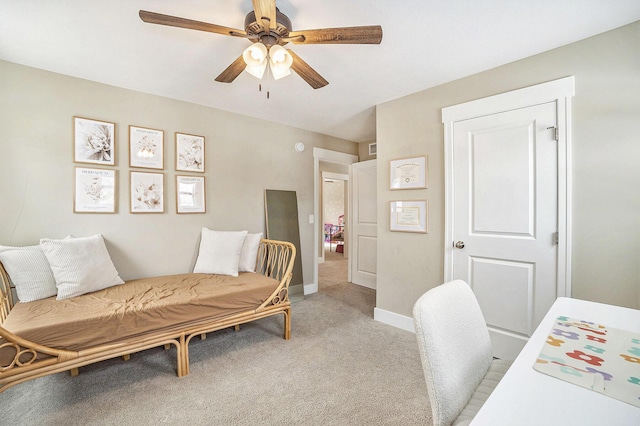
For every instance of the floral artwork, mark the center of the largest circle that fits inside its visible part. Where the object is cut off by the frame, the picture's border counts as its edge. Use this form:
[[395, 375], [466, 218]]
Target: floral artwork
[[147, 192], [146, 148], [94, 141], [95, 191], [189, 153]]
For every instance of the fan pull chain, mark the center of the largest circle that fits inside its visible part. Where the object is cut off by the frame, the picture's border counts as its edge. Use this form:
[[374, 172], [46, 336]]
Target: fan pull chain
[[266, 86], [268, 77], [260, 90]]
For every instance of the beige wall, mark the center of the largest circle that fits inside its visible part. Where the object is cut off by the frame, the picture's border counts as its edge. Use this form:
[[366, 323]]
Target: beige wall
[[244, 156], [363, 151], [605, 171]]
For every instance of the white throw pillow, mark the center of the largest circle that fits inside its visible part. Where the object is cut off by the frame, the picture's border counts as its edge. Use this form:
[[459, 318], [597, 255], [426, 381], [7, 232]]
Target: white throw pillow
[[80, 265], [219, 252], [29, 271], [249, 253]]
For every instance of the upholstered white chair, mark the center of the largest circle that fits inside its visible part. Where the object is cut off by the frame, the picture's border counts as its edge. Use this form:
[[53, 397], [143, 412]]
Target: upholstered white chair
[[455, 351]]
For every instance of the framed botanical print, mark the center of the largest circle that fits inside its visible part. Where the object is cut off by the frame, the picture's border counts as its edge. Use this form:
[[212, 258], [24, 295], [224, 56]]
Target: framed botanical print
[[94, 141], [146, 148], [147, 192], [95, 191], [189, 153], [190, 194]]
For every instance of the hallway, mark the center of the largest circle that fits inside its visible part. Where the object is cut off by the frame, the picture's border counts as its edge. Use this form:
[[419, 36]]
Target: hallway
[[332, 281]]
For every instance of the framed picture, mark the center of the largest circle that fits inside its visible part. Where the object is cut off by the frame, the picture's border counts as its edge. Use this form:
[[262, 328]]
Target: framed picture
[[409, 216], [189, 153], [408, 173], [147, 192], [94, 141], [146, 148], [95, 191], [190, 195]]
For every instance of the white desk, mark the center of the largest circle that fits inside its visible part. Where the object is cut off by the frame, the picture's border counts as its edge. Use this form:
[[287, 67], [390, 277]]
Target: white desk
[[525, 396]]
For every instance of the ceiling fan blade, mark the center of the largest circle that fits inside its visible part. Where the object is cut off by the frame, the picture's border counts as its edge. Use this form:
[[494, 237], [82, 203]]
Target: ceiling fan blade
[[307, 73], [371, 34], [174, 21], [232, 71], [265, 11]]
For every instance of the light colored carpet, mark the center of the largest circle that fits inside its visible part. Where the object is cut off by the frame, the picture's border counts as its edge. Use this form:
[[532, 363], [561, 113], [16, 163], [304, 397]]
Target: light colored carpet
[[339, 368]]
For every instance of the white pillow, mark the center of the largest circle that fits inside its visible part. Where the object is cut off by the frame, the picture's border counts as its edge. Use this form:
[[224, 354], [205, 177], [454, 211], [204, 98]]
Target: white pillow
[[249, 253], [219, 252], [80, 265], [29, 271]]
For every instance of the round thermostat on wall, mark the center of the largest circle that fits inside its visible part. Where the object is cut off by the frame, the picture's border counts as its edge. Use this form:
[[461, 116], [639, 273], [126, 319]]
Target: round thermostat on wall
[[299, 147]]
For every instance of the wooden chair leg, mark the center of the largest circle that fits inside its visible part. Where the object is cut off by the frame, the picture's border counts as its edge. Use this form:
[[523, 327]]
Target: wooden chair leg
[[74, 372], [126, 357], [287, 324], [167, 346], [237, 327], [203, 336]]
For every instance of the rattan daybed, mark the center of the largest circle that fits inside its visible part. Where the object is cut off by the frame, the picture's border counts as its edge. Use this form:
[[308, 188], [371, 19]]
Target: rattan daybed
[[138, 315]]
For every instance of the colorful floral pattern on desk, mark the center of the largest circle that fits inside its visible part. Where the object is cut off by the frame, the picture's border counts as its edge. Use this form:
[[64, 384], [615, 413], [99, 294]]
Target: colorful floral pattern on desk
[[596, 357]]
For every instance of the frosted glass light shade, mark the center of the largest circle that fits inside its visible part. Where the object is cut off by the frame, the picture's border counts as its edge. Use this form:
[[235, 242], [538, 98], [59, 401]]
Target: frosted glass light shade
[[280, 61], [255, 56]]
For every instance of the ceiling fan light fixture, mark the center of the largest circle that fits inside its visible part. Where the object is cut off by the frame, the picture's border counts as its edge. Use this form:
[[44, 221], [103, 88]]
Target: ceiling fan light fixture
[[280, 61], [265, 26], [255, 56]]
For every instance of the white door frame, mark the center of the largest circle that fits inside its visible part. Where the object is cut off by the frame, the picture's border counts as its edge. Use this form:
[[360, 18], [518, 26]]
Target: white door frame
[[559, 91], [320, 154]]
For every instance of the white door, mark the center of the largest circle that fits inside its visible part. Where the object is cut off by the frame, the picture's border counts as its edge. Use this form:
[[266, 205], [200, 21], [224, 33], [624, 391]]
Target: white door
[[364, 224], [505, 193]]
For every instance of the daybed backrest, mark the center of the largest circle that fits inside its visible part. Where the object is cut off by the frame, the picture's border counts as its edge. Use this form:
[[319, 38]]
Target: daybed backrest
[[6, 294], [275, 259]]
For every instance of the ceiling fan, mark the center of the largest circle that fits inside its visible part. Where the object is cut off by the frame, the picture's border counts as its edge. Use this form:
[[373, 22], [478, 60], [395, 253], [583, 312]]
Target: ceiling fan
[[267, 27]]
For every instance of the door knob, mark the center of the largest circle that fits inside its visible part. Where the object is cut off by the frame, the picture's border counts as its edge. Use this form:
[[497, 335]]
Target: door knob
[[459, 244]]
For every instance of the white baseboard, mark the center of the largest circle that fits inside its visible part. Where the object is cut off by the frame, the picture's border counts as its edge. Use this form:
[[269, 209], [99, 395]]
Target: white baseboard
[[310, 288], [392, 319]]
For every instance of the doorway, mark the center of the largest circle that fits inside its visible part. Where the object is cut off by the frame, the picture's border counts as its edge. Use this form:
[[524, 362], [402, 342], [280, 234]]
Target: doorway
[[337, 238], [333, 267], [335, 214], [328, 162]]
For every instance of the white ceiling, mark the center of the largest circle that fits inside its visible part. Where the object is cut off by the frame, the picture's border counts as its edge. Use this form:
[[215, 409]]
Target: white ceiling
[[425, 43]]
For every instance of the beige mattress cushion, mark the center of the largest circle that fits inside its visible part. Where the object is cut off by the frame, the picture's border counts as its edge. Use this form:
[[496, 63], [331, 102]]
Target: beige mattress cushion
[[137, 307]]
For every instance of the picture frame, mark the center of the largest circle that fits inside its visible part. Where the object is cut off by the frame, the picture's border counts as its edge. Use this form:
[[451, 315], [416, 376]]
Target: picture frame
[[190, 194], [409, 173], [95, 190], [146, 147], [94, 141], [409, 216], [146, 192], [190, 154]]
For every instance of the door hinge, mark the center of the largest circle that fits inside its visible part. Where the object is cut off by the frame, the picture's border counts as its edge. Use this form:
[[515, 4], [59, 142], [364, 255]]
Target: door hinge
[[555, 132], [555, 238]]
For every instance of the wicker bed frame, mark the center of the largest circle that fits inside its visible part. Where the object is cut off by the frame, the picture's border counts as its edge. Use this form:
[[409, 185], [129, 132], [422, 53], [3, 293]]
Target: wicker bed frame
[[32, 360]]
